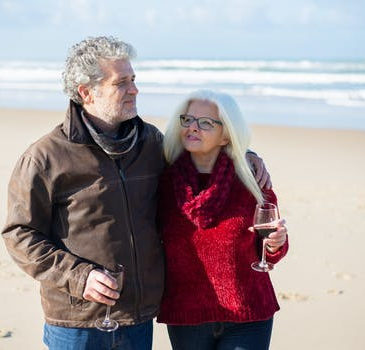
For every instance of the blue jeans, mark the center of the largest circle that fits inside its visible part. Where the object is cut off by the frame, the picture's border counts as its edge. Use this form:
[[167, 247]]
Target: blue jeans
[[137, 337], [222, 336]]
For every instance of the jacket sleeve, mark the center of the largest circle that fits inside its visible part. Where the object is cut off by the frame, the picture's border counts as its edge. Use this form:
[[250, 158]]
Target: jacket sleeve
[[28, 234]]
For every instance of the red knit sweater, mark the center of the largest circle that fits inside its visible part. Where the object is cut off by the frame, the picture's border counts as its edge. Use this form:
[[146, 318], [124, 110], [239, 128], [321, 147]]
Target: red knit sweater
[[208, 269]]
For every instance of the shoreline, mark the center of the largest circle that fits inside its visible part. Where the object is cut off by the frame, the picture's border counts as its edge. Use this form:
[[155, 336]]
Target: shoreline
[[159, 120], [318, 177]]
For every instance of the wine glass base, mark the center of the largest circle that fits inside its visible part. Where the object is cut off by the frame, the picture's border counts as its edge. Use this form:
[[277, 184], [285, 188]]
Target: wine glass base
[[262, 267], [106, 326]]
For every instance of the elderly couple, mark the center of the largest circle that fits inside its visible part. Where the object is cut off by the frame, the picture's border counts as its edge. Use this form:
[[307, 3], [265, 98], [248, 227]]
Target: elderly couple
[[106, 188]]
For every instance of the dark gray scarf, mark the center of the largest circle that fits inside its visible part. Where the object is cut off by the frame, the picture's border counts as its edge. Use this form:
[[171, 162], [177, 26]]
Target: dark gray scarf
[[115, 147]]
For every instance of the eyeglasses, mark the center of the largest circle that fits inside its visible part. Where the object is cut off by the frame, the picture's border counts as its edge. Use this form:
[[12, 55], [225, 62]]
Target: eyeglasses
[[204, 123]]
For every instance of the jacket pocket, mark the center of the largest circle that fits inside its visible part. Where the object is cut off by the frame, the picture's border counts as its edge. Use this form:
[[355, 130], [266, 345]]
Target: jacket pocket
[[76, 302]]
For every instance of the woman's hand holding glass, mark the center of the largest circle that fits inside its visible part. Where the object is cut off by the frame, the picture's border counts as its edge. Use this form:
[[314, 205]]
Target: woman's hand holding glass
[[271, 230], [278, 238]]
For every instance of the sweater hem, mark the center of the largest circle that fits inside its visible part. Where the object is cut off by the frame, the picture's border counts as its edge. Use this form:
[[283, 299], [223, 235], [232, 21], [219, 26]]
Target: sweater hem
[[188, 318]]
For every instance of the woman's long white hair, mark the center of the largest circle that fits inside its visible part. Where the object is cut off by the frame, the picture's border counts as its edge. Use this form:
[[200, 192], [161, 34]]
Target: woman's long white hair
[[234, 126]]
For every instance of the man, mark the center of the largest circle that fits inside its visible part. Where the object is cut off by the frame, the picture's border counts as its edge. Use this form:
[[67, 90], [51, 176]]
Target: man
[[84, 197]]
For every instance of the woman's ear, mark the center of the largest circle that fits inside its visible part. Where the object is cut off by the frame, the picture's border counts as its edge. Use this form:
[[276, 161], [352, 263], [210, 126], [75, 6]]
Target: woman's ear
[[225, 138], [225, 141]]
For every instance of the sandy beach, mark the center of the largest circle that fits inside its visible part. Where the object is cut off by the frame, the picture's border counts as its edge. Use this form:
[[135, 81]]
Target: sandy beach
[[318, 175]]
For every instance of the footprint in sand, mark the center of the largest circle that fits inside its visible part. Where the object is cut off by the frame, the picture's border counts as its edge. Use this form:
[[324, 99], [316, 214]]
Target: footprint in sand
[[4, 333], [344, 276], [361, 206], [292, 296], [335, 292]]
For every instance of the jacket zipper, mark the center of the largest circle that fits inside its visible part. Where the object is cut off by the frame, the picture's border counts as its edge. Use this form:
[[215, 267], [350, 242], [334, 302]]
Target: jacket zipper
[[132, 242]]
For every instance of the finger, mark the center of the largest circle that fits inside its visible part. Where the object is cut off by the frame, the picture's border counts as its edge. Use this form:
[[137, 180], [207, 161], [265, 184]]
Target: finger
[[259, 169], [106, 291], [280, 228], [281, 222], [107, 280], [251, 229], [268, 184], [95, 296], [263, 180], [275, 243], [278, 235], [97, 290], [104, 300], [282, 231], [276, 239]]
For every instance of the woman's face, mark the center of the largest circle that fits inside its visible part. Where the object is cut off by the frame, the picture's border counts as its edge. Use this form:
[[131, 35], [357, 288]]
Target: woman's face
[[203, 142]]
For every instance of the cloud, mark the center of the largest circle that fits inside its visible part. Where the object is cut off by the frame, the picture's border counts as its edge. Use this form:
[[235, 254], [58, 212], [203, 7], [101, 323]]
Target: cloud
[[39, 13], [82, 11], [150, 17], [322, 13], [10, 7], [12, 11], [197, 25], [191, 14]]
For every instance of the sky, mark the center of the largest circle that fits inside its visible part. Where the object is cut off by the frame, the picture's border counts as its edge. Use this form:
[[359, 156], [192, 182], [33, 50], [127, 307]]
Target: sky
[[193, 29]]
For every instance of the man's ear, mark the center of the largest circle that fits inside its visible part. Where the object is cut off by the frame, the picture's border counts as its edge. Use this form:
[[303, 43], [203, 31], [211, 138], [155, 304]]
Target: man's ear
[[86, 94]]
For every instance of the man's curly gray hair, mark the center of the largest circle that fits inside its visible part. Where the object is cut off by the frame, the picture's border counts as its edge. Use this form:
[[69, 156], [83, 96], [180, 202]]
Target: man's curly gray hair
[[82, 63]]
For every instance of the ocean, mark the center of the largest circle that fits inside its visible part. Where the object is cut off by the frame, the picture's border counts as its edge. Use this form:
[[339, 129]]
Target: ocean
[[329, 94]]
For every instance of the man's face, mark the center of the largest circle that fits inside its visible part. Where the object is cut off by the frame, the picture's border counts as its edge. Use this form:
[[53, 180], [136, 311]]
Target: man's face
[[114, 98]]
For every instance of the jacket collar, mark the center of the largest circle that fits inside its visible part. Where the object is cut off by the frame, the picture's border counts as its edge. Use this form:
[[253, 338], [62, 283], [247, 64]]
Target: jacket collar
[[74, 127], [76, 130]]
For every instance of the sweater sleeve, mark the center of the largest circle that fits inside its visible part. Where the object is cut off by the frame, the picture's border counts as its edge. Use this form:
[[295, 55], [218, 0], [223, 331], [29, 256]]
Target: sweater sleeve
[[28, 234], [274, 258]]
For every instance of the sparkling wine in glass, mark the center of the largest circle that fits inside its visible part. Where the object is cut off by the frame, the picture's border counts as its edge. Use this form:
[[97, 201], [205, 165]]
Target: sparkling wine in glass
[[264, 222], [107, 324]]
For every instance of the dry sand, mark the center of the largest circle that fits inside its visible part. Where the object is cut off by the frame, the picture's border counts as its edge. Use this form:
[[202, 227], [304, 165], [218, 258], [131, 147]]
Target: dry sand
[[319, 178]]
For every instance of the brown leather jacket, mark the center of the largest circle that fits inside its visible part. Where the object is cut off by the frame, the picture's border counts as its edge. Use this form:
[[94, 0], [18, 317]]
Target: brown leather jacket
[[71, 209]]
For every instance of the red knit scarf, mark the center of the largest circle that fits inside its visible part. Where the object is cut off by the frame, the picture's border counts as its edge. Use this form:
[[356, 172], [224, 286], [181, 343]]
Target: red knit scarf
[[202, 208]]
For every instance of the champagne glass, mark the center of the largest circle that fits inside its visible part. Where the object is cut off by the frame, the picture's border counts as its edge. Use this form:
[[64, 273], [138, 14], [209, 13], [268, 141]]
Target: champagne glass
[[107, 324], [264, 222]]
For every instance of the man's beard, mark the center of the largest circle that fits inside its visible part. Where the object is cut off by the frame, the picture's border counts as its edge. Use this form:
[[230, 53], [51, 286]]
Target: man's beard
[[129, 114], [119, 115]]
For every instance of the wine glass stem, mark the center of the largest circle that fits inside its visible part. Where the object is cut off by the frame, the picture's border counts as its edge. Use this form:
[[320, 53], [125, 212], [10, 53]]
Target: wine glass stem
[[263, 258], [107, 314]]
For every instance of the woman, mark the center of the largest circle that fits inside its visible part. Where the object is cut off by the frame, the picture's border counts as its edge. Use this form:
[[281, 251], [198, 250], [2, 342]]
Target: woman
[[213, 299]]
